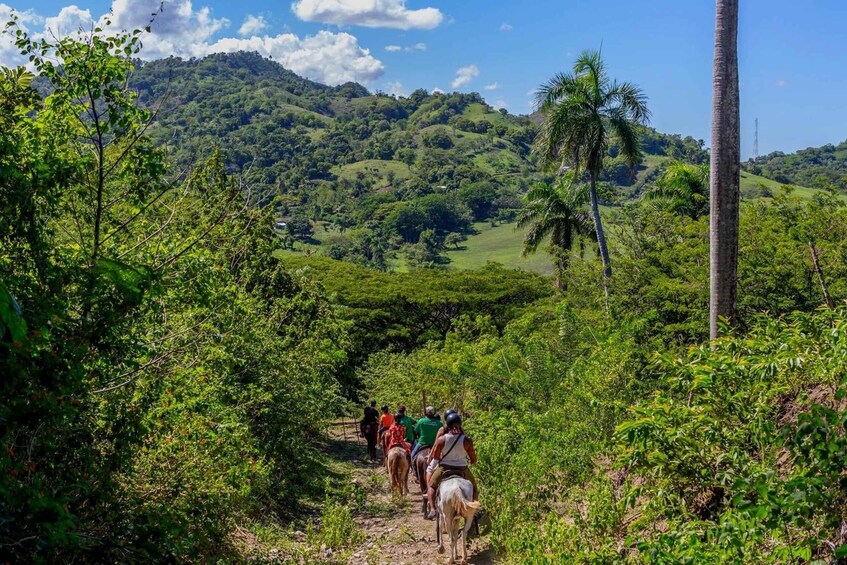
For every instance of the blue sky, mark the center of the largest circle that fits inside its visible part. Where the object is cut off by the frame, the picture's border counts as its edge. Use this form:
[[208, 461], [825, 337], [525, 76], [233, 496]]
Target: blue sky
[[792, 58]]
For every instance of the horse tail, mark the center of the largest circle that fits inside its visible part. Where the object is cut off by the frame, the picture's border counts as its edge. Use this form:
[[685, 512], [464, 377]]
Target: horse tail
[[392, 468], [396, 460], [463, 506], [396, 473]]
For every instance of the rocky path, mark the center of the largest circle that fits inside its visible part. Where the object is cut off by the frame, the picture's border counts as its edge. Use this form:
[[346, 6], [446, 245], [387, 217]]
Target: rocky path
[[394, 527]]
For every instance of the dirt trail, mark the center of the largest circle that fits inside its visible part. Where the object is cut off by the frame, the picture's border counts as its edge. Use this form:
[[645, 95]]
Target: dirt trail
[[396, 532]]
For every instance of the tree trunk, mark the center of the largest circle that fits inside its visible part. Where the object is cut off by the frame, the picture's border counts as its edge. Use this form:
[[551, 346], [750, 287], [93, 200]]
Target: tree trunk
[[598, 227], [725, 169], [561, 267], [601, 239], [827, 298]]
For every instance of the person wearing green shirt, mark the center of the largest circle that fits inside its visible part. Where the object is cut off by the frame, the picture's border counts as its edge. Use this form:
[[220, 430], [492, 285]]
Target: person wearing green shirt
[[426, 429], [409, 423]]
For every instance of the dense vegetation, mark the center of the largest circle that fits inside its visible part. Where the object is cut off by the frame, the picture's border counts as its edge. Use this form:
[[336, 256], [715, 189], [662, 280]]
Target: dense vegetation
[[169, 370], [620, 438], [156, 359], [817, 167]]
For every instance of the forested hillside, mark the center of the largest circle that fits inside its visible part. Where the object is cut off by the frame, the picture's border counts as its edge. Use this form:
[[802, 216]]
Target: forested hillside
[[376, 171], [816, 167]]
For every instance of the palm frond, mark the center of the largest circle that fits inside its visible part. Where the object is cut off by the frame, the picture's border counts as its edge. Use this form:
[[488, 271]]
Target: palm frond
[[627, 135], [589, 64], [630, 99], [682, 189], [554, 90], [556, 212]]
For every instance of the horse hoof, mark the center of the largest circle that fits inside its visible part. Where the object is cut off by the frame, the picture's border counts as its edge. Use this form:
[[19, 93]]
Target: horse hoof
[[440, 550]]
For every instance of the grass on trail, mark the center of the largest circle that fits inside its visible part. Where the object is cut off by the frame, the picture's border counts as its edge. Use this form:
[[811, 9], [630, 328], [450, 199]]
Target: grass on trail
[[501, 244]]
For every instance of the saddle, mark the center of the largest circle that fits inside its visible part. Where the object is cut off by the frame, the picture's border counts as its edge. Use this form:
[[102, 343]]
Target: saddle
[[452, 473]]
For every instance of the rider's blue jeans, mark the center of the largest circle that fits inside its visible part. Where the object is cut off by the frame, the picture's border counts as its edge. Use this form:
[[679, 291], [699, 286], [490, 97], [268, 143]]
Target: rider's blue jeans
[[417, 447]]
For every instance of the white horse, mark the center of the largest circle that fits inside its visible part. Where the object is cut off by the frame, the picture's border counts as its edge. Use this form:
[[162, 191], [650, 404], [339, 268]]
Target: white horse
[[455, 502]]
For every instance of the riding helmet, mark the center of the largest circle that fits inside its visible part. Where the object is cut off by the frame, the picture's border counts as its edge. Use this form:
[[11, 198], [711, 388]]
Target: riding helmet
[[453, 420]]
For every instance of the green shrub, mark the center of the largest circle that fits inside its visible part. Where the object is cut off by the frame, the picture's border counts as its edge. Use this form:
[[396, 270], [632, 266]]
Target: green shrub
[[337, 529]]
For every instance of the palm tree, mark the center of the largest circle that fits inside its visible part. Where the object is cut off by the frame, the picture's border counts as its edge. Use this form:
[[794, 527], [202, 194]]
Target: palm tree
[[555, 212], [725, 168], [682, 189], [583, 110]]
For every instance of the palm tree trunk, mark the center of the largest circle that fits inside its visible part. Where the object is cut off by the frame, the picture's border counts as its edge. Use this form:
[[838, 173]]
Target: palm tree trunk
[[601, 238], [561, 268], [598, 227], [725, 168]]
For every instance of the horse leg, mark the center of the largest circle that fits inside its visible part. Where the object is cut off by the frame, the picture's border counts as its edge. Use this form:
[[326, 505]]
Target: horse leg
[[468, 524], [439, 535], [454, 538]]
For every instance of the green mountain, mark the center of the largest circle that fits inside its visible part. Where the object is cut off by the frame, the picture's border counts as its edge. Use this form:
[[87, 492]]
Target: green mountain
[[369, 172], [816, 167]]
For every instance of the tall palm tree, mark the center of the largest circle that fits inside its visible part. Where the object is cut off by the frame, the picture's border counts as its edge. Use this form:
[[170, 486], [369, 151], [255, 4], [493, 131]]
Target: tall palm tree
[[583, 111], [682, 189], [725, 168], [556, 212]]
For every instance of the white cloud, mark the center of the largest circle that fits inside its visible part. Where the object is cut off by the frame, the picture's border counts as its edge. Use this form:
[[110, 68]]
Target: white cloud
[[9, 54], [24, 17], [177, 30], [780, 83], [396, 89], [182, 31], [492, 86], [331, 58], [367, 13], [500, 104], [437, 90], [409, 49], [253, 25], [464, 75], [70, 20], [505, 27]]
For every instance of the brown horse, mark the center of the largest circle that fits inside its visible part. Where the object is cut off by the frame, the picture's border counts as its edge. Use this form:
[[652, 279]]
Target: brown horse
[[419, 465], [398, 470], [369, 432]]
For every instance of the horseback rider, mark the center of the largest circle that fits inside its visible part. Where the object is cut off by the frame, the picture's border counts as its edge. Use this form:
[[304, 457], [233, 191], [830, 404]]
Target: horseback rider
[[454, 450], [385, 421], [408, 423], [441, 430], [368, 427], [397, 435], [426, 430], [371, 414]]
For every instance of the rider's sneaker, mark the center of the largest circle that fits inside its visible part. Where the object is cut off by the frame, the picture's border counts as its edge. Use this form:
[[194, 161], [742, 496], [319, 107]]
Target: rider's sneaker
[[430, 515]]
